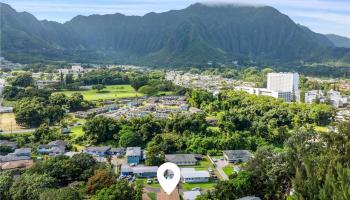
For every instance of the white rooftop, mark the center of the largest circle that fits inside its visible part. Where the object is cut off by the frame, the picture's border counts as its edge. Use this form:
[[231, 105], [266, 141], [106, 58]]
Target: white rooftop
[[191, 195]]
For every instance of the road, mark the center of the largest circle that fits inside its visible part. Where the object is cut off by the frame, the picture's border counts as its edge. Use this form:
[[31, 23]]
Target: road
[[219, 164]]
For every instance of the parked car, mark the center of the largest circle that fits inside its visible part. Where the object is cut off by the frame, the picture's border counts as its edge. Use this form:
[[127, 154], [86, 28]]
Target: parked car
[[196, 189], [215, 177], [149, 181], [156, 180], [210, 170]]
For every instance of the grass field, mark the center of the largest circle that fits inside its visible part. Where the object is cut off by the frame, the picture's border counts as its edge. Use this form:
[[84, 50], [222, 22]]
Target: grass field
[[7, 120], [228, 170], [77, 131], [144, 182], [110, 92], [189, 186]]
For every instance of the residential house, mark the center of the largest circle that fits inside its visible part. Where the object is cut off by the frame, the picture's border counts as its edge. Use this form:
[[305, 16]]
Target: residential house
[[54, 148], [97, 151], [191, 195], [249, 198], [23, 152], [181, 159], [7, 143], [125, 170], [57, 150], [134, 155], [145, 171], [190, 175], [237, 155], [44, 149], [117, 151]]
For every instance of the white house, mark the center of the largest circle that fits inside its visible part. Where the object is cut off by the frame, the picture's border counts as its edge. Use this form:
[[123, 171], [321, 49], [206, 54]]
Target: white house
[[191, 195], [190, 175]]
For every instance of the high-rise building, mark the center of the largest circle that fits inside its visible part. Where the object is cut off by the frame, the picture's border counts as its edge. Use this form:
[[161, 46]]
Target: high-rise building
[[284, 82]]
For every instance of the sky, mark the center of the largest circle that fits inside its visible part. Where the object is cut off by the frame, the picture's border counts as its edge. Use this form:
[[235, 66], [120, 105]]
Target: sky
[[322, 16]]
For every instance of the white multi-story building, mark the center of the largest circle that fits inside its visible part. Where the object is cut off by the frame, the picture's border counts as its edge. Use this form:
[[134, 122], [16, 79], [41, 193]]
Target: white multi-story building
[[336, 99], [286, 96], [314, 96], [284, 82]]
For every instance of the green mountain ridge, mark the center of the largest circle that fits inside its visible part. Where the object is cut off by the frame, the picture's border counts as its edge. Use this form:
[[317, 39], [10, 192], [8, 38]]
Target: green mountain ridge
[[194, 35], [339, 41]]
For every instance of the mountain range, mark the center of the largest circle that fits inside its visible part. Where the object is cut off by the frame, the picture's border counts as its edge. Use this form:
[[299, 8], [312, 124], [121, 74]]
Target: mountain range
[[195, 35]]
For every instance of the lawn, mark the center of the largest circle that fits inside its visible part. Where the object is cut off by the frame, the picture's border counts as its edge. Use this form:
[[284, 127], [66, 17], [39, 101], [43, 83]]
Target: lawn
[[202, 165], [228, 170], [110, 92], [144, 182], [8, 122], [321, 129], [189, 186], [77, 131]]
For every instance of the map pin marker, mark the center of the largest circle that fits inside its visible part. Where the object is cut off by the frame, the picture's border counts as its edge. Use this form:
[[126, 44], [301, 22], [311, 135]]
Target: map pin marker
[[168, 184]]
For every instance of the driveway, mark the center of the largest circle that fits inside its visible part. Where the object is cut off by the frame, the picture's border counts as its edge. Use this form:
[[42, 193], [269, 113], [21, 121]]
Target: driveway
[[219, 164]]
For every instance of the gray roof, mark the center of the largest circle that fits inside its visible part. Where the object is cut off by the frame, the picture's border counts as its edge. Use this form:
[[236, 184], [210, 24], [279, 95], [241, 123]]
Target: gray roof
[[23, 150], [249, 198], [180, 158], [10, 157], [237, 153], [7, 143], [118, 150], [125, 168], [145, 169], [98, 149], [133, 151], [58, 143]]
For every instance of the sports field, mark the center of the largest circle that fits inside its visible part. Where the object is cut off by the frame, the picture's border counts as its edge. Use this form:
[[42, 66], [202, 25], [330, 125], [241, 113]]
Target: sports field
[[8, 122], [110, 92]]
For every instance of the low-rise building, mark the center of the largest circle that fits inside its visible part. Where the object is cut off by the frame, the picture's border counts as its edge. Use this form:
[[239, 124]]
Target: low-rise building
[[190, 175], [249, 198], [191, 195], [23, 152], [181, 159], [6, 143], [134, 155], [233, 156], [97, 151], [145, 171]]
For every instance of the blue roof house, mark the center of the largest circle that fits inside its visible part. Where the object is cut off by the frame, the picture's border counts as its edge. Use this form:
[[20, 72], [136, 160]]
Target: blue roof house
[[133, 155]]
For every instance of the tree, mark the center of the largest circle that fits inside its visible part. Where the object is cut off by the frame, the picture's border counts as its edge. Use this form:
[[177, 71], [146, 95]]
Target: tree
[[58, 99], [101, 179], [29, 112], [128, 137], [65, 170], [98, 87], [76, 102], [149, 90], [23, 80], [66, 193], [121, 190], [100, 129], [138, 81], [30, 186], [4, 150], [44, 134], [6, 182], [54, 114], [154, 154]]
